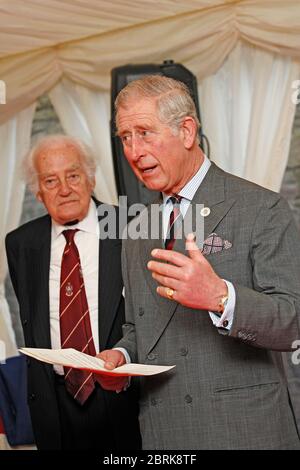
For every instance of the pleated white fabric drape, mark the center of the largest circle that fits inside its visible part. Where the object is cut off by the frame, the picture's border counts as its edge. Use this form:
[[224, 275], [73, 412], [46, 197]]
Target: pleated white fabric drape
[[15, 142], [42, 42], [247, 113], [85, 114]]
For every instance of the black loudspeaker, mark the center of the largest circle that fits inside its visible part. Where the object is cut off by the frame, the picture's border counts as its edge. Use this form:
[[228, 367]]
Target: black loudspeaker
[[127, 183]]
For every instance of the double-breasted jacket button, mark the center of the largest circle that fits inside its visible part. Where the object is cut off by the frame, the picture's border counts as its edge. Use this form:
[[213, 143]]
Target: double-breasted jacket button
[[141, 311], [188, 399], [151, 356]]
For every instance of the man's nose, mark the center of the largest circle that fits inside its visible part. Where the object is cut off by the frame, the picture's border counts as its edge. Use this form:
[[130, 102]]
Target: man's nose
[[64, 187], [137, 147]]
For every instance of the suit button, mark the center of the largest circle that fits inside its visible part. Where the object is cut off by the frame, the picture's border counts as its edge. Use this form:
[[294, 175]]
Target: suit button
[[188, 399], [28, 361], [24, 322], [141, 311], [32, 396], [225, 323], [151, 356], [183, 351]]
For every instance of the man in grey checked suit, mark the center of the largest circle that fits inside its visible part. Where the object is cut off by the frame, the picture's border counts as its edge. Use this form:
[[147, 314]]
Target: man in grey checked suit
[[221, 315]]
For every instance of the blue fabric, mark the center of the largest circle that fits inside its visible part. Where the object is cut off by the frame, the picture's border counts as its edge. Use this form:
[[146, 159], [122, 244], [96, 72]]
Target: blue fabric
[[13, 401]]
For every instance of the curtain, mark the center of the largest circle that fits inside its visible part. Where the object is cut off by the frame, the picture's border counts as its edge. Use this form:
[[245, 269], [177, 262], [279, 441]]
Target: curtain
[[83, 41], [247, 114], [85, 114], [15, 142]]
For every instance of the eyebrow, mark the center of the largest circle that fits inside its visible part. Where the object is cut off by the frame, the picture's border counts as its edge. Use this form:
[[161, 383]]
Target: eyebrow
[[136, 128]]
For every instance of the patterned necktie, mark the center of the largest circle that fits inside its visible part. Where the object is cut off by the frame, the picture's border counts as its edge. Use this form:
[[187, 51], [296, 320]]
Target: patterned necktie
[[174, 222], [75, 326]]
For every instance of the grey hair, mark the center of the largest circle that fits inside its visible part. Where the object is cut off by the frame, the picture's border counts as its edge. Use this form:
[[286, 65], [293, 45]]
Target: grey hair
[[174, 101], [29, 163]]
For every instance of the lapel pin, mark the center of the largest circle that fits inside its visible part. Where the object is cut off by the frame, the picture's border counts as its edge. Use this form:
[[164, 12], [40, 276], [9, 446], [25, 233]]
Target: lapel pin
[[205, 211]]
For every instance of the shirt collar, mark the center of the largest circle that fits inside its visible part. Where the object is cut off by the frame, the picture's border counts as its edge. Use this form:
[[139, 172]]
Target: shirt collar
[[189, 190], [89, 224]]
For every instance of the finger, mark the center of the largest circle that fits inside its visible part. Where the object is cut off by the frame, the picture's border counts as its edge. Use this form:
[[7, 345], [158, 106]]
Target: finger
[[110, 365], [163, 292], [170, 256], [192, 248], [111, 358], [166, 281], [109, 361], [164, 269]]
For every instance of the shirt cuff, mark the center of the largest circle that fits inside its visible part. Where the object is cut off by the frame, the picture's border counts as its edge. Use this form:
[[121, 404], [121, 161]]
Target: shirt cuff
[[123, 351], [225, 320], [128, 361]]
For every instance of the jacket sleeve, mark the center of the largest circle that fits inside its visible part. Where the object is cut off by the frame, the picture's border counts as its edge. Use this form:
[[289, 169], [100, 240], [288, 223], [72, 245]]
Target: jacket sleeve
[[129, 336], [12, 260], [267, 316]]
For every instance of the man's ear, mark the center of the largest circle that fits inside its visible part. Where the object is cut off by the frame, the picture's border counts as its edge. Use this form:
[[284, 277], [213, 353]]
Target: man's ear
[[188, 130], [93, 184], [39, 196]]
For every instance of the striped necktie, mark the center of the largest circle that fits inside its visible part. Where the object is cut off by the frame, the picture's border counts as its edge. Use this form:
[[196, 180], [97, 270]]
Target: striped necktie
[[174, 221], [75, 325]]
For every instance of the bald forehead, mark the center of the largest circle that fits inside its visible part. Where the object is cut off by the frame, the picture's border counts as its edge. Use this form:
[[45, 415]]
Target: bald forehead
[[56, 157], [56, 148]]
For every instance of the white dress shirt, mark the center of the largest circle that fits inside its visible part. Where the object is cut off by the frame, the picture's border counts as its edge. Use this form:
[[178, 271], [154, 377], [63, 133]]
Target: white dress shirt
[[87, 241], [187, 193]]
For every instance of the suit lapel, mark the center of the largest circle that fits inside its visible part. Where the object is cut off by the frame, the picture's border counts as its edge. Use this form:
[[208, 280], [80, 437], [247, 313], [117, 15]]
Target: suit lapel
[[210, 194], [147, 243], [39, 264], [110, 282], [165, 308], [110, 286]]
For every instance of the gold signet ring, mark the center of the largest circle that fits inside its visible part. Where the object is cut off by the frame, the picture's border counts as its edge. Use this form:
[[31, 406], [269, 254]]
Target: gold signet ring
[[170, 293]]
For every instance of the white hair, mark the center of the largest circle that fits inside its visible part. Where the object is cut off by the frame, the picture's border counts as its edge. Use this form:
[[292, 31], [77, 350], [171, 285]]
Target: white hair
[[173, 99], [55, 140]]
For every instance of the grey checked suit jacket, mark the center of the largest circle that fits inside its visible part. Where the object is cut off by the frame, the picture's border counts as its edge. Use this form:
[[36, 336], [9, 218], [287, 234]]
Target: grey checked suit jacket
[[227, 390]]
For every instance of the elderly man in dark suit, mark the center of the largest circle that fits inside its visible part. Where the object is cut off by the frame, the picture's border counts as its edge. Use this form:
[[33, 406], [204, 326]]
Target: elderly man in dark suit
[[220, 311], [69, 286]]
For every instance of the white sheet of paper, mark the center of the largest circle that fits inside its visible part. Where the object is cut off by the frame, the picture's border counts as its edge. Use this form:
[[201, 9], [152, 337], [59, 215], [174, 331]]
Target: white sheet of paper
[[79, 360]]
